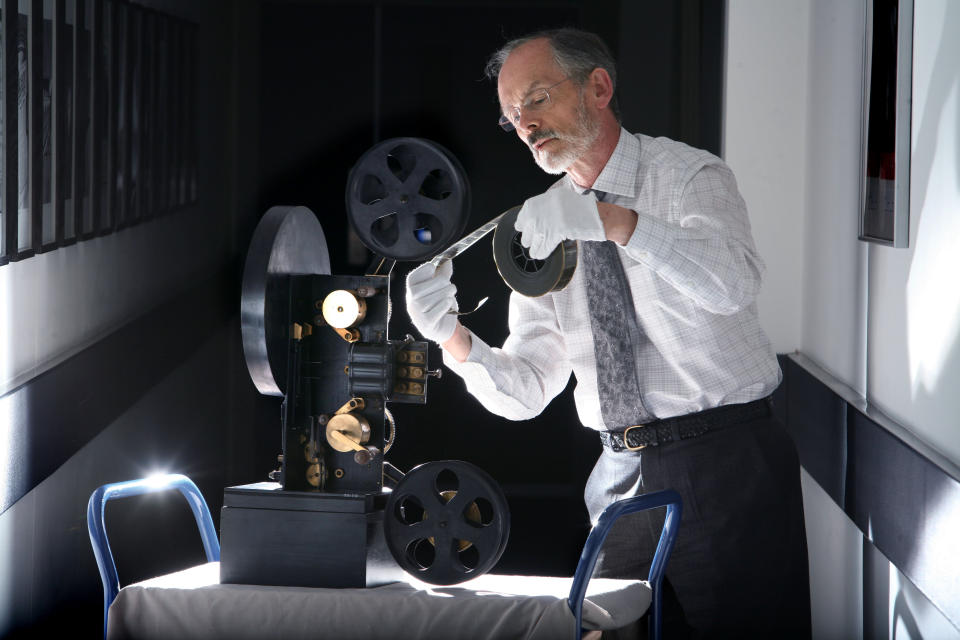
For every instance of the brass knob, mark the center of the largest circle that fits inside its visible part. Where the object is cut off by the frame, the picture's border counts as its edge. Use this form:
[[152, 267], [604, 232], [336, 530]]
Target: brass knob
[[348, 432], [342, 309]]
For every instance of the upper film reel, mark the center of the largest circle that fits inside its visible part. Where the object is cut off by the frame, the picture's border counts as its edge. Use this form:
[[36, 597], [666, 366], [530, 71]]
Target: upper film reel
[[523, 274], [408, 198]]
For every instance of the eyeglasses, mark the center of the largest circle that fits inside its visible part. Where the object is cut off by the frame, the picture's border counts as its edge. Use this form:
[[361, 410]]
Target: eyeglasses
[[536, 100]]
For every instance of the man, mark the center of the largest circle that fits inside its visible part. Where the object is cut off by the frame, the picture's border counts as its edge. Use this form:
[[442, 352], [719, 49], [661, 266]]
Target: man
[[659, 325]]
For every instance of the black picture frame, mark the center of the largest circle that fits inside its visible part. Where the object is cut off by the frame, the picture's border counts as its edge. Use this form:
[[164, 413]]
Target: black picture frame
[[885, 139], [97, 120]]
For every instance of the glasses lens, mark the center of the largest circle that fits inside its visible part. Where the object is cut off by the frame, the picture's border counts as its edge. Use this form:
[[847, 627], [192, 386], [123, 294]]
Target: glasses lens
[[505, 123], [537, 100]]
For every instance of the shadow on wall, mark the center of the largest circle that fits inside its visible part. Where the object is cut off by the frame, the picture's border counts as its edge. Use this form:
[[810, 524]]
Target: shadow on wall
[[912, 616], [903, 618]]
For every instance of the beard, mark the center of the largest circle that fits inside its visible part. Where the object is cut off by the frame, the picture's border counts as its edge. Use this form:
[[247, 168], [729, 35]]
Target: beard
[[573, 145]]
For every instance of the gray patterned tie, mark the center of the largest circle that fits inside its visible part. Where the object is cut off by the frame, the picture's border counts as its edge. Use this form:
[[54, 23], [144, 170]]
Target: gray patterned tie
[[616, 331]]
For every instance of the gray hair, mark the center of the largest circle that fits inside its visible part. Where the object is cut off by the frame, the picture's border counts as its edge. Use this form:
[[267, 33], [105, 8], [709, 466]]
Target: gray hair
[[576, 52]]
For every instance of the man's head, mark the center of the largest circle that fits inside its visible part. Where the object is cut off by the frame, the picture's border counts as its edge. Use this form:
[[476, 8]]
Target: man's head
[[556, 88]]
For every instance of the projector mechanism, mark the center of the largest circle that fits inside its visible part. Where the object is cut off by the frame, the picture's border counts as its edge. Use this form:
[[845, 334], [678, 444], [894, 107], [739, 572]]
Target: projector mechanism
[[321, 341]]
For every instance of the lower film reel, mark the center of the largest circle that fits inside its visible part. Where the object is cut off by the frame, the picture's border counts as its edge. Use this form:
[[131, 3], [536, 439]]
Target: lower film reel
[[523, 274], [408, 198], [447, 522]]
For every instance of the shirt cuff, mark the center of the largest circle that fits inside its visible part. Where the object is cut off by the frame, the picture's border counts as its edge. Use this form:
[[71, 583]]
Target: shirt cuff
[[651, 240], [475, 369]]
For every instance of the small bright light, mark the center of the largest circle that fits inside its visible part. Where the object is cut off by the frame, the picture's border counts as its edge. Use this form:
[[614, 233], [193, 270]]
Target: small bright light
[[158, 480]]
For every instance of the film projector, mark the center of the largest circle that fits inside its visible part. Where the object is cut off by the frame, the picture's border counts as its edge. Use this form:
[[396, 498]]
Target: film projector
[[335, 513]]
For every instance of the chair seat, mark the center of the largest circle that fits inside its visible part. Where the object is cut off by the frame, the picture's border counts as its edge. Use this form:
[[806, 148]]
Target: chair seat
[[193, 604]]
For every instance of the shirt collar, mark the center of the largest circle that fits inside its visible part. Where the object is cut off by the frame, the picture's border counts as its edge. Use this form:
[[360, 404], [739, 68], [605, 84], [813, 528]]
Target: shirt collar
[[619, 176]]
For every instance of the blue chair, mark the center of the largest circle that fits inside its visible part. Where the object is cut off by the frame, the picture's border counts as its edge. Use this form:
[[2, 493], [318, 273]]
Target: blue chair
[[588, 557], [98, 531]]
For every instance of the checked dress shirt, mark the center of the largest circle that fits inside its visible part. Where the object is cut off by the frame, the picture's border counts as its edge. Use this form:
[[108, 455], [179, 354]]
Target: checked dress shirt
[[693, 273]]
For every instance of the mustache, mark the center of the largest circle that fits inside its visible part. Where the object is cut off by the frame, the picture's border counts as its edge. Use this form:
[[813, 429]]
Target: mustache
[[539, 135]]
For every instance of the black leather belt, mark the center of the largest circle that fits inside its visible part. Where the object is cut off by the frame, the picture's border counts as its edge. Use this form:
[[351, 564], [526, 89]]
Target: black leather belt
[[691, 425]]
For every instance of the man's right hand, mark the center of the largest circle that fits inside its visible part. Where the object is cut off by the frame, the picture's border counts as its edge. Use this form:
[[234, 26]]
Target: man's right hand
[[432, 301]]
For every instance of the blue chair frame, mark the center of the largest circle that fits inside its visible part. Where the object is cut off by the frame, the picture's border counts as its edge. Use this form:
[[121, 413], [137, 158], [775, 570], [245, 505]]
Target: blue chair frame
[[98, 531], [588, 558]]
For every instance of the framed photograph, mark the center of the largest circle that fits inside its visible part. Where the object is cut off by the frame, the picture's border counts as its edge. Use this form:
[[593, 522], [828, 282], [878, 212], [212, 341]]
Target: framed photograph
[[887, 75]]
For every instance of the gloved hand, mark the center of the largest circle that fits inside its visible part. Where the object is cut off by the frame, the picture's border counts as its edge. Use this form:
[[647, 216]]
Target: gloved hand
[[431, 298], [559, 214]]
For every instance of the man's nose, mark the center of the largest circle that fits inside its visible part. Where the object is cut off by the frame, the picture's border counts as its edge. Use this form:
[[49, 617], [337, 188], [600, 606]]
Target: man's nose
[[529, 121]]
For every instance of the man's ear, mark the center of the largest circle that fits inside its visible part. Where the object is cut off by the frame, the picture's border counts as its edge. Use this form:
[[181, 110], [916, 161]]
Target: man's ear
[[601, 87]]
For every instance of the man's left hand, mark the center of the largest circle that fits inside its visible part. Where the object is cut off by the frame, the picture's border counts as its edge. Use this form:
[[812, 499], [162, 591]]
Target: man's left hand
[[559, 214]]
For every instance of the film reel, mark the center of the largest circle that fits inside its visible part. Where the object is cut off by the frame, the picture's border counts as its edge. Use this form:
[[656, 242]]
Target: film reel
[[408, 198], [519, 271], [447, 522], [523, 274]]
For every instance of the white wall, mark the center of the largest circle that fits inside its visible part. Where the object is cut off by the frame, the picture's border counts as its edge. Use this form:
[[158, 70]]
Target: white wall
[[765, 143], [833, 308], [885, 321], [914, 329]]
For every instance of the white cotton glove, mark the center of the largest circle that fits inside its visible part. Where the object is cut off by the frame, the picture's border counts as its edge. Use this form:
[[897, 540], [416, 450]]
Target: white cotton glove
[[559, 214], [431, 298]]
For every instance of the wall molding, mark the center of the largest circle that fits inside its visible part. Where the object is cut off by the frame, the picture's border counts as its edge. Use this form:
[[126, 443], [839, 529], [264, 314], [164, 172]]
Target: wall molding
[[51, 417], [899, 491]]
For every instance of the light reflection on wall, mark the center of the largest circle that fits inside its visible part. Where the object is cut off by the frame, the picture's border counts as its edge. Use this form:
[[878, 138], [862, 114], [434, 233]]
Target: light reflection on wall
[[933, 284]]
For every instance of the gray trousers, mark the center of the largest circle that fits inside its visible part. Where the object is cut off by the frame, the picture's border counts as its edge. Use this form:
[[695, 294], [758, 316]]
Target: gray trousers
[[739, 567]]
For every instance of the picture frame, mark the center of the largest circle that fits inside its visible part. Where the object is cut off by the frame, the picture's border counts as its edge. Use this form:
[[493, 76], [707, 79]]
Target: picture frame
[[885, 137]]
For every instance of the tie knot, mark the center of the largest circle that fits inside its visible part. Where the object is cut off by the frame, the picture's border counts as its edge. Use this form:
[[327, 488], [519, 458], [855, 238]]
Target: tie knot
[[601, 195]]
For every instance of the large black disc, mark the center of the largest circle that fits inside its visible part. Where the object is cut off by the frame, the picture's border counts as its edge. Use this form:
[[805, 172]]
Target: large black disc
[[408, 198], [524, 274], [287, 241], [447, 522]]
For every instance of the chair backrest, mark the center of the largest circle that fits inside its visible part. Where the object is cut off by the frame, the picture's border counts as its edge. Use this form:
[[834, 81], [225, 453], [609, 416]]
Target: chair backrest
[[588, 557], [98, 532]]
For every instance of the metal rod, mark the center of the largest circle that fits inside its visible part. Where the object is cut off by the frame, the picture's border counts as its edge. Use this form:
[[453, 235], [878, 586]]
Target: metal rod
[[391, 474]]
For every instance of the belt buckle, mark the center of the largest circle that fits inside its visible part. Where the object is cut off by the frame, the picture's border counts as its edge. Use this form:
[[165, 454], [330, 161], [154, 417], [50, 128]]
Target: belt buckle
[[625, 432]]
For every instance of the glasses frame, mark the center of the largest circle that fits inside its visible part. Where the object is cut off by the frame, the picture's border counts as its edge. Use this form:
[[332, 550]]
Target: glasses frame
[[529, 104]]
